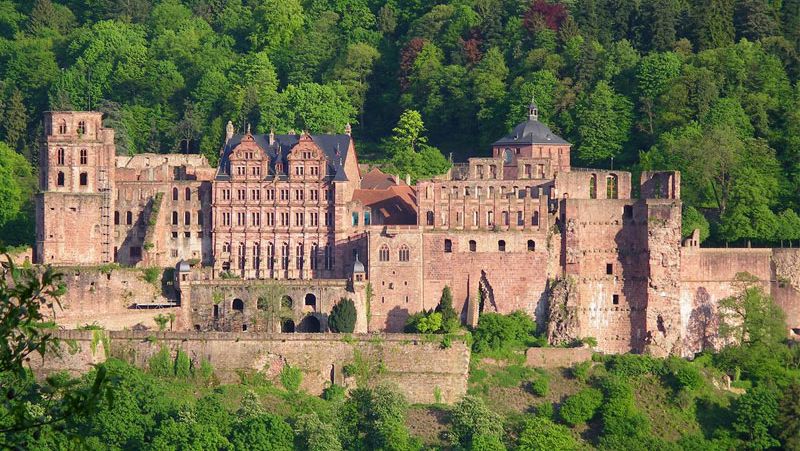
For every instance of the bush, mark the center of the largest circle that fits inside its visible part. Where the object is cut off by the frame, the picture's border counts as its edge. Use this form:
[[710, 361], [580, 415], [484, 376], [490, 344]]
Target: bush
[[542, 434], [183, 367], [151, 274], [581, 407], [688, 377], [161, 364], [334, 392], [540, 385], [470, 418], [343, 317], [496, 332], [633, 365], [450, 319], [581, 371], [291, 378]]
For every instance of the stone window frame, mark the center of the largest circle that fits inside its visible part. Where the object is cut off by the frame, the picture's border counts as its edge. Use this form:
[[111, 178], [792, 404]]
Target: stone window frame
[[404, 254], [384, 253]]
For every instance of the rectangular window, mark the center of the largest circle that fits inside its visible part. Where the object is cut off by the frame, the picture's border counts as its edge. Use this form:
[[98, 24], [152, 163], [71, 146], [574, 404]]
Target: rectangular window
[[355, 218], [256, 219], [314, 218], [615, 299], [226, 219], [299, 219], [285, 219], [520, 219], [313, 194], [240, 194], [299, 194], [271, 219], [255, 194], [367, 218], [270, 194], [284, 194], [609, 268]]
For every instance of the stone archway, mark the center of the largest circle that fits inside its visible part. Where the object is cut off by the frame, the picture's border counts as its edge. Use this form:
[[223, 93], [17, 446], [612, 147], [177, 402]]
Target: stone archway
[[238, 305]]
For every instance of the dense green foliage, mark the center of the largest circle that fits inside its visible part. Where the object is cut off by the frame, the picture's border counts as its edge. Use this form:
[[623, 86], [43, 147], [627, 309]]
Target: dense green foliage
[[343, 316], [442, 319], [706, 87], [496, 332]]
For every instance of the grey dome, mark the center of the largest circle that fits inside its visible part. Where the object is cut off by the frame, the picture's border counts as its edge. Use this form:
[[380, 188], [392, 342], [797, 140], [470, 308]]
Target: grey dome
[[358, 266], [531, 132]]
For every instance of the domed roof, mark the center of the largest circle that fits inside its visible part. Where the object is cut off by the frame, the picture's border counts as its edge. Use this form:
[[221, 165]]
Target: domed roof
[[531, 131], [358, 266]]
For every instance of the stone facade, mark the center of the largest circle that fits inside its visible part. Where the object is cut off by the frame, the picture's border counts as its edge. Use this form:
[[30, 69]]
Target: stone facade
[[290, 224], [420, 369]]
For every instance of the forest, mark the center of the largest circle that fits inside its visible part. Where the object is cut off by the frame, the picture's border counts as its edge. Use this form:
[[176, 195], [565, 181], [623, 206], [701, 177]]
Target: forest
[[707, 87]]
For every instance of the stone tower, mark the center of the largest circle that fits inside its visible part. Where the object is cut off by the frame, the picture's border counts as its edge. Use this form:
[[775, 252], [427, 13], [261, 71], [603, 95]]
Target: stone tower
[[76, 182]]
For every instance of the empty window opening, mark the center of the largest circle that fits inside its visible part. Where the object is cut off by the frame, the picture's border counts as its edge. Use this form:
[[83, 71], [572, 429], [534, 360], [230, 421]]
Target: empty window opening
[[448, 246], [609, 268], [84, 179], [615, 299], [311, 299], [216, 311], [429, 218], [60, 179], [174, 193], [238, 305], [501, 246], [473, 245], [627, 212], [129, 218], [531, 245]]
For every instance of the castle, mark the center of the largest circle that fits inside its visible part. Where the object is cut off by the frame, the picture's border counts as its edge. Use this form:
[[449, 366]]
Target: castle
[[519, 230]]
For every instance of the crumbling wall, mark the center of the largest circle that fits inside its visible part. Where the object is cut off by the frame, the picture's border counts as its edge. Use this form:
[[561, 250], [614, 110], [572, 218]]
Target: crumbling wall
[[419, 368], [562, 318]]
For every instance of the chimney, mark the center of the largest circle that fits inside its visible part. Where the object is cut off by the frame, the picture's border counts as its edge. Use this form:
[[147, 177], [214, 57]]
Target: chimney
[[408, 179], [348, 129], [396, 179], [271, 137]]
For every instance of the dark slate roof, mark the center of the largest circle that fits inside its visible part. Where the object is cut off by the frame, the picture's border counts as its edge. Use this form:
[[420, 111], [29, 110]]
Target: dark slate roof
[[334, 146], [530, 132]]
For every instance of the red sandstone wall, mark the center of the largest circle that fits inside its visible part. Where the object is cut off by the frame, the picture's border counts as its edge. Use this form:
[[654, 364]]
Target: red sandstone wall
[[106, 299], [416, 367], [396, 285]]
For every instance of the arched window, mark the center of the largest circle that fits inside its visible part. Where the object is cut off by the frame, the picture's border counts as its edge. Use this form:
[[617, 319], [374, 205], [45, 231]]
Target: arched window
[[531, 245], [448, 245], [60, 155], [62, 127], [611, 187], [129, 218], [84, 157], [116, 218], [593, 186], [310, 299], [81, 127], [473, 245], [238, 305], [508, 155], [501, 246], [84, 179], [285, 256], [429, 218], [187, 218], [174, 193], [383, 254], [60, 179], [188, 194], [174, 218], [404, 253]]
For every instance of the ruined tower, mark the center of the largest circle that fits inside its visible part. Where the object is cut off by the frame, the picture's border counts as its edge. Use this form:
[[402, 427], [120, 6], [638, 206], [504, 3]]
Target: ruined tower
[[76, 180]]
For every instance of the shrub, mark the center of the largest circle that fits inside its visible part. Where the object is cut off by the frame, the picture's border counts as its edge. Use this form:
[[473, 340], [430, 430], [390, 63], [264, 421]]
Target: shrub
[[470, 418], [160, 363], [581, 371], [183, 367], [540, 385], [343, 317], [450, 319], [540, 433], [314, 434], [497, 332], [291, 378], [688, 377], [161, 321], [633, 365], [333, 392], [151, 274], [581, 407]]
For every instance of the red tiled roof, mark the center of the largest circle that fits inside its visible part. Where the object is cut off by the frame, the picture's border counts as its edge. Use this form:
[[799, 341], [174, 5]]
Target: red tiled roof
[[396, 204]]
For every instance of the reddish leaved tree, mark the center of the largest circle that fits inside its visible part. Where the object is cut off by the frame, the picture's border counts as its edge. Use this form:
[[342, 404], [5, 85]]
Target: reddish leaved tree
[[407, 57], [553, 15]]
